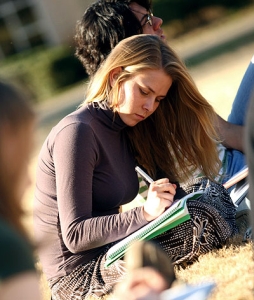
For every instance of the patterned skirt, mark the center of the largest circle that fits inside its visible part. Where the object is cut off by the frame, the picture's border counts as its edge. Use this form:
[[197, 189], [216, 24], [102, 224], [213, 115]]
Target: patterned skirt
[[212, 223]]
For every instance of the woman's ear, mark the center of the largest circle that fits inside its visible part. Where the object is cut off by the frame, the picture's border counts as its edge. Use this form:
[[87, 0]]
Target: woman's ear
[[114, 75]]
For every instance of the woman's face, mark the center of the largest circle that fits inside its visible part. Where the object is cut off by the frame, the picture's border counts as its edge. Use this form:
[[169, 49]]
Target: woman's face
[[140, 95], [141, 13]]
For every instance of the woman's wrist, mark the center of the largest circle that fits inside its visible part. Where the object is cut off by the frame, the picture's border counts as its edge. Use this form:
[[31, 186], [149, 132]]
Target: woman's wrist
[[147, 216]]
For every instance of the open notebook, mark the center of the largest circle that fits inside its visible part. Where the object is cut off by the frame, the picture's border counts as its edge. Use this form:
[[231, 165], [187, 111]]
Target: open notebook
[[176, 214]]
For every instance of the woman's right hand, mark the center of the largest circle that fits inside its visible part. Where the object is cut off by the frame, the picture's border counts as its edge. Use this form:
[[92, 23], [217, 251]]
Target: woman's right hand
[[160, 197]]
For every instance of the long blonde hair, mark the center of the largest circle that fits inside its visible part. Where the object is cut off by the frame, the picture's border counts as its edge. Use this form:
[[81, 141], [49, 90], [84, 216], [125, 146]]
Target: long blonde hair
[[179, 137]]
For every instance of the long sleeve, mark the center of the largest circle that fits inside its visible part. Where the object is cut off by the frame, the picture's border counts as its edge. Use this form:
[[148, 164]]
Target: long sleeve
[[85, 172]]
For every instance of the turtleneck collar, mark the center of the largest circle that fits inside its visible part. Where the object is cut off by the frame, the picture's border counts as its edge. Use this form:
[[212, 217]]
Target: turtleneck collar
[[107, 116]]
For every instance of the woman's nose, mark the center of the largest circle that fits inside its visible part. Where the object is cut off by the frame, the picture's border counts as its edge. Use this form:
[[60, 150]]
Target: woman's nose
[[149, 105], [157, 22]]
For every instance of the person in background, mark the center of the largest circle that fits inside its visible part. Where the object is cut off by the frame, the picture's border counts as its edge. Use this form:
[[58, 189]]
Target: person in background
[[149, 272], [106, 22], [133, 114], [18, 277], [241, 102], [249, 142]]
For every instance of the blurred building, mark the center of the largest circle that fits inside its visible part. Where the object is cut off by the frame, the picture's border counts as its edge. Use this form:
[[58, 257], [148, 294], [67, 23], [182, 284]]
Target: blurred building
[[25, 24]]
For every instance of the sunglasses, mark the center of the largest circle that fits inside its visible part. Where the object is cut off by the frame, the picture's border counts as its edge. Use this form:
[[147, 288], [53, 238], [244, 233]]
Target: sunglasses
[[147, 17]]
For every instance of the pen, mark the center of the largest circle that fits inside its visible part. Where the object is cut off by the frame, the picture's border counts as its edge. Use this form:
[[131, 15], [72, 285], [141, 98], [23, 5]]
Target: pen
[[143, 174]]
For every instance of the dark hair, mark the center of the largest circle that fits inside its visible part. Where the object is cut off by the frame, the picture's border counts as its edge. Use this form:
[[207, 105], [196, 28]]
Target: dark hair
[[104, 24]]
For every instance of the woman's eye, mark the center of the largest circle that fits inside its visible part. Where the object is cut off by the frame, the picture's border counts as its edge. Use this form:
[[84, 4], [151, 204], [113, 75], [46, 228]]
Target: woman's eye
[[143, 92]]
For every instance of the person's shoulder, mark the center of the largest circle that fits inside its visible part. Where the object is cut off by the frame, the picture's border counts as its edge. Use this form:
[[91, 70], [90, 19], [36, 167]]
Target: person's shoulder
[[73, 122], [15, 252], [81, 116]]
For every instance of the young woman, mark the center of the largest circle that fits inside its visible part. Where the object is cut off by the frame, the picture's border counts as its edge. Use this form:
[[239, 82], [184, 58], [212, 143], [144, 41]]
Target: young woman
[[143, 108], [18, 277]]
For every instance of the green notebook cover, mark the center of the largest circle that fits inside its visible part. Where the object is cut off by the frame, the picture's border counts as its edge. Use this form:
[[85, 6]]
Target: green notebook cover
[[176, 214]]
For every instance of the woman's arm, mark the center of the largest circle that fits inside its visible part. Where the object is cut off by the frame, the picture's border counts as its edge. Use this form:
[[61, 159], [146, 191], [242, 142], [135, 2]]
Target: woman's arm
[[230, 134], [75, 158]]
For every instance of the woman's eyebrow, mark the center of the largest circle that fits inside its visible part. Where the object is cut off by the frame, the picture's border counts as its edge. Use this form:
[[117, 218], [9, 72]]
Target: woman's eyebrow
[[154, 91]]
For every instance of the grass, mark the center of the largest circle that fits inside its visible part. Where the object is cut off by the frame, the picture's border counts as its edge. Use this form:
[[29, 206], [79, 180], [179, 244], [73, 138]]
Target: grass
[[231, 268]]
